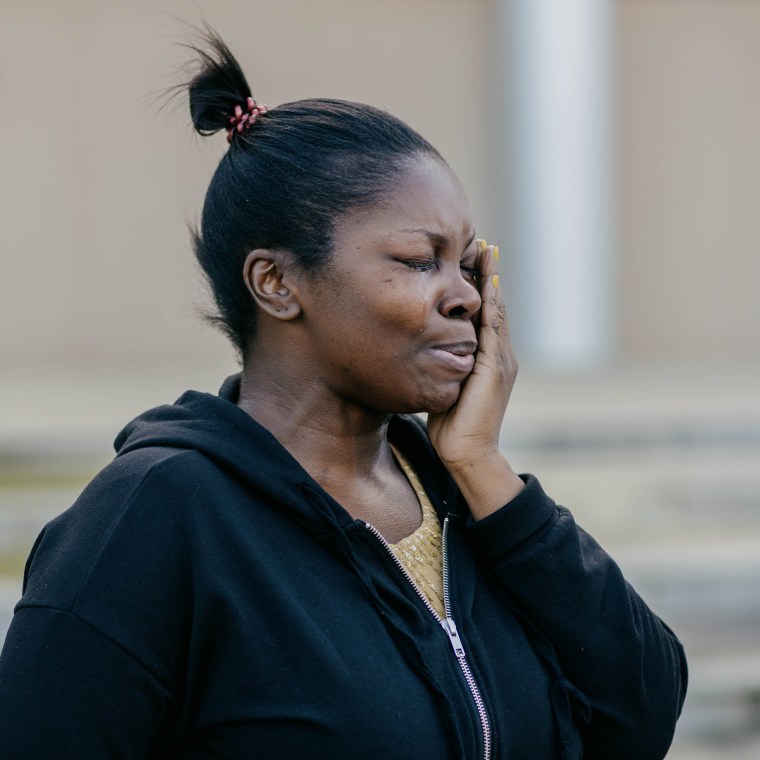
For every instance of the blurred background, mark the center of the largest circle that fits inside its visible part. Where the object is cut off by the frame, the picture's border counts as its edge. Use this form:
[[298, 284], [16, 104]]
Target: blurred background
[[610, 148]]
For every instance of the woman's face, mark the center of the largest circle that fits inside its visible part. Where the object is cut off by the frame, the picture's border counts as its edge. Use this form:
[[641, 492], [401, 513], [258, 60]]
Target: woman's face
[[392, 316]]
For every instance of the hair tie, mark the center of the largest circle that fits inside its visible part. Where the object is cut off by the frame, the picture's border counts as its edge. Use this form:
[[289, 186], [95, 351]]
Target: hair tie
[[244, 118]]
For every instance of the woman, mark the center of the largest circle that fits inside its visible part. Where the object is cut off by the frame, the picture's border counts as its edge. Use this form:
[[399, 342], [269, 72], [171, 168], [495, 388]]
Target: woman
[[297, 568]]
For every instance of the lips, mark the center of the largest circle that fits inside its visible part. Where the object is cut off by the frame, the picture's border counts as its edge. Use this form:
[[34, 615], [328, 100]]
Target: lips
[[459, 357], [463, 348]]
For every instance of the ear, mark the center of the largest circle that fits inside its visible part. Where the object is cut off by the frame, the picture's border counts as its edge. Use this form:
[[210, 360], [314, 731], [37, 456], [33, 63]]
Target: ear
[[269, 277]]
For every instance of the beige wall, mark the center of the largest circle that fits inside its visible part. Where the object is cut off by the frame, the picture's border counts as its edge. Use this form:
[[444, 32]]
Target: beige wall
[[689, 171], [96, 186]]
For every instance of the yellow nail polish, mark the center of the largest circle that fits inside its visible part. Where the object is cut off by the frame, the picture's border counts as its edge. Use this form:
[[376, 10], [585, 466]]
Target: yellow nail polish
[[483, 245], [496, 253], [495, 280]]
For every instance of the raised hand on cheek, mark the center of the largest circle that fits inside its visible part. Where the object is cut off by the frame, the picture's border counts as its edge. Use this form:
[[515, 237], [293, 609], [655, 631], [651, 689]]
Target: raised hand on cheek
[[466, 436]]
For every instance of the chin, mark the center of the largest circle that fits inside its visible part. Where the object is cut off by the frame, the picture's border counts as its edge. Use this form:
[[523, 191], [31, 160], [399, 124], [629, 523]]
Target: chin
[[440, 402], [427, 400]]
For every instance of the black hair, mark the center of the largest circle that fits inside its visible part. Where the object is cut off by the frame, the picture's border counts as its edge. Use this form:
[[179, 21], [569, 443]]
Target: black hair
[[285, 180]]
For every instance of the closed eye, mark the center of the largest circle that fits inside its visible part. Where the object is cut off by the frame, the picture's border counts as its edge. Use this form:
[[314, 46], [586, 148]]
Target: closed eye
[[426, 266], [420, 266]]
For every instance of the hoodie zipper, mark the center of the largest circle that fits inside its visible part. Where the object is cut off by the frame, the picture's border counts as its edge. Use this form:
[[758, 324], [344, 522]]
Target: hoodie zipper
[[448, 626]]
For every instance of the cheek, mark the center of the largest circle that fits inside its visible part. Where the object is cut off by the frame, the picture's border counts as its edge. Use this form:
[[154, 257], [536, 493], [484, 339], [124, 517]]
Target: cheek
[[403, 305], [422, 316]]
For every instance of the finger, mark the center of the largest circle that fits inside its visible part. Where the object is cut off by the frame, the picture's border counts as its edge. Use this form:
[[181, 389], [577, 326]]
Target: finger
[[494, 330], [485, 260], [488, 255]]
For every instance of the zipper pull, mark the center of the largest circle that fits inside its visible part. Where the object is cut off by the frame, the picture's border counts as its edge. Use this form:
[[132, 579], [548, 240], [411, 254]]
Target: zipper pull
[[451, 631]]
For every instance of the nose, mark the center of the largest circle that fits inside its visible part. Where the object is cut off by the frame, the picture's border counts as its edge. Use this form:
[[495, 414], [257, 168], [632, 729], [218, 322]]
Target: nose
[[461, 298]]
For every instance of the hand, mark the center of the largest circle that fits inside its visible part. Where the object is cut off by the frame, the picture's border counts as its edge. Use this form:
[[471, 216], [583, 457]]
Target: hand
[[470, 429], [466, 436]]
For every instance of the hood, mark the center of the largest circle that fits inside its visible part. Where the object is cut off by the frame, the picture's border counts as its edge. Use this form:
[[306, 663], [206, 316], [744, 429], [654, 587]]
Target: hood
[[216, 427], [220, 430], [196, 420]]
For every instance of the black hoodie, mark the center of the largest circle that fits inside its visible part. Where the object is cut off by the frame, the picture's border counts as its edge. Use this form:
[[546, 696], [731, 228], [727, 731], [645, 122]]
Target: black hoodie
[[205, 598]]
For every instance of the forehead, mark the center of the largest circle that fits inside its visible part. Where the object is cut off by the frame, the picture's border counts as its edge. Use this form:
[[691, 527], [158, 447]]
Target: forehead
[[427, 196]]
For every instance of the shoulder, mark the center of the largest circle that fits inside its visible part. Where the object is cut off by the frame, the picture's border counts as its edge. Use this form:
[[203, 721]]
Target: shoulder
[[129, 517], [120, 560], [145, 481]]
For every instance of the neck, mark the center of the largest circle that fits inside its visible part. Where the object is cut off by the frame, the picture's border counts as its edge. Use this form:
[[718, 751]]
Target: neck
[[334, 439]]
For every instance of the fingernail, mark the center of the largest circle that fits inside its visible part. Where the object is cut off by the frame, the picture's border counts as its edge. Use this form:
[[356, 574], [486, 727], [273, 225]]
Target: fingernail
[[483, 245], [495, 280], [496, 253]]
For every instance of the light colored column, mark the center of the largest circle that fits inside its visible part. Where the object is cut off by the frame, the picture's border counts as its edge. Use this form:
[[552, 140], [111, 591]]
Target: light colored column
[[559, 63]]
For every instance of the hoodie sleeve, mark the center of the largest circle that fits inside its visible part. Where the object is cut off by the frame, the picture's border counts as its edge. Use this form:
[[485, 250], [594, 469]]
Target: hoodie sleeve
[[622, 657], [68, 691]]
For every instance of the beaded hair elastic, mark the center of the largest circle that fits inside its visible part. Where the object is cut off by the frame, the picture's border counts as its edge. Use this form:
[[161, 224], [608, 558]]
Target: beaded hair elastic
[[244, 118]]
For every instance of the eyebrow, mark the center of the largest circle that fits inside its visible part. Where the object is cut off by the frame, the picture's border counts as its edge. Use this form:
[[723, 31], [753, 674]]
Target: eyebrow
[[437, 238]]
